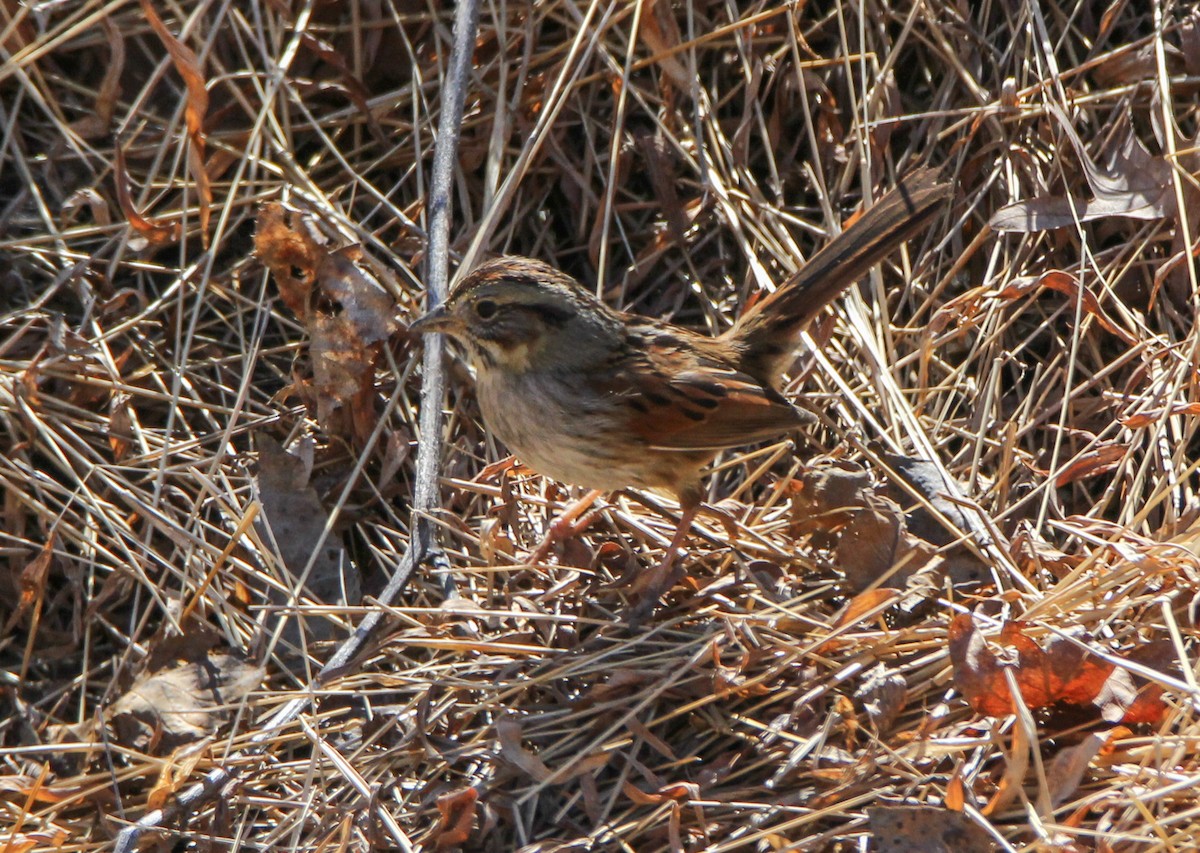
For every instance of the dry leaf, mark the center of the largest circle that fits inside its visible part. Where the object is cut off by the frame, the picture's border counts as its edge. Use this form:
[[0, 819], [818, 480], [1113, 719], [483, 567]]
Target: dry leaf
[[182, 702], [152, 232], [661, 34], [348, 313], [291, 254], [1133, 183], [1066, 771], [195, 109], [1060, 671], [1092, 463], [1070, 286], [33, 584], [97, 123], [293, 520], [456, 818], [508, 731], [882, 694]]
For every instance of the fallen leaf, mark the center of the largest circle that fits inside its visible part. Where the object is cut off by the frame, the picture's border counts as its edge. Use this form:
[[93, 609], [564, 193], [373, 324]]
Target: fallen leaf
[[348, 313], [195, 109], [1092, 463], [1070, 286], [456, 818], [182, 702], [97, 123], [1060, 670], [882, 695], [508, 731], [1065, 771], [1133, 183], [33, 586], [293, 521], [864, 603], [152, 232]]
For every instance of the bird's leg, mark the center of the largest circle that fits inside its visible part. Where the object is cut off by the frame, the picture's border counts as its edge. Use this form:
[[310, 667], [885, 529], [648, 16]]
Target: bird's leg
[[567, 524], [654, 583]]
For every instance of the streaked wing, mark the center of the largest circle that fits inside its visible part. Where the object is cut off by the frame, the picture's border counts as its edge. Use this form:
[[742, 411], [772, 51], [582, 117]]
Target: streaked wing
[[681, 395]]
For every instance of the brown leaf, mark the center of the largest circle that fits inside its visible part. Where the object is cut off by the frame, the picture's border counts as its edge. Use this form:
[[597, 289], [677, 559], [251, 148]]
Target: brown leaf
[[1145, 419], [33, 585], [1060, 671], [120, 427], [1070, 286], [293, 520], [97, 123], [188, 66], [292, 256], [871, 601], [175, 771], [457, 818], [1132, 183], [1092, 463], [182, 702], [508, 731], [824, 496], [348, 313], [661, 34], [149, 230], [668, 793]]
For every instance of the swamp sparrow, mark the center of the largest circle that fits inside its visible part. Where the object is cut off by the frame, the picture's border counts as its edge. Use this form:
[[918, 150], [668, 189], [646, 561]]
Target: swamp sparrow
[[599, 398]]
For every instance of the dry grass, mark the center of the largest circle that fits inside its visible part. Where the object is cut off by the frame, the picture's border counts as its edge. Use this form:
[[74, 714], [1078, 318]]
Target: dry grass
[[679, 156]]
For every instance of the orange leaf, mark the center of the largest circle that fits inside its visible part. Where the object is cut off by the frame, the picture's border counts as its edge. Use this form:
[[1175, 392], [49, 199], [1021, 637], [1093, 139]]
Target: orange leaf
[[154, 233], [188, 66], [457, 810], [1092, 463], [1070, 286], [1062, 670]]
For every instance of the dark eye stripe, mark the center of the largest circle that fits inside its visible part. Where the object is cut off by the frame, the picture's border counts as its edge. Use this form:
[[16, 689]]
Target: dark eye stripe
[[553, 315]]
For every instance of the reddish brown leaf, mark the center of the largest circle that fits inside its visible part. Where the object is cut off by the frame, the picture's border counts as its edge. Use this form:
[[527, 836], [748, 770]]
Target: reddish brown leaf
[[1145, 419], [291, 254], [120, 428], [1059, 671], [1071, 287], [457, 818], [151, 231], [1092, 463], [348, 313], [661, 34], [871, 601], [188, 66], [97, 123], [33, 584]]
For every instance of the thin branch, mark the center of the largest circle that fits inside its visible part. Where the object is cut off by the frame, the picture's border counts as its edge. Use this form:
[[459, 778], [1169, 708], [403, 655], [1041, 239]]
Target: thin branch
[[422, 545]]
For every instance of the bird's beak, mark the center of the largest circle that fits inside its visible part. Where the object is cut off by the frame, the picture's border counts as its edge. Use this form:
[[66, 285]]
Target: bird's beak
[[436, 320]]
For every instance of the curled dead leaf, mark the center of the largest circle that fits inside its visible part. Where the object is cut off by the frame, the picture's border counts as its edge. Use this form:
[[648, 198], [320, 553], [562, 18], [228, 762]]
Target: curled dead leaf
[[1058, 670], [456, 818], [1070, 286], [188, 65]]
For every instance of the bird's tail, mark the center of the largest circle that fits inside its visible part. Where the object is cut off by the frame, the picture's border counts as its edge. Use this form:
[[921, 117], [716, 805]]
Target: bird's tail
[[766, 331]]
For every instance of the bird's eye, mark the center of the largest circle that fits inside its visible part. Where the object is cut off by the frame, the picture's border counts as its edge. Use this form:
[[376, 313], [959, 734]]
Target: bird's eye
[[486, 309]]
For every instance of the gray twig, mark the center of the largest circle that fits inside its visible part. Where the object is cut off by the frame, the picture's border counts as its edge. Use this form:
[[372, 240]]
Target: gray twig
[[422, 545]]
